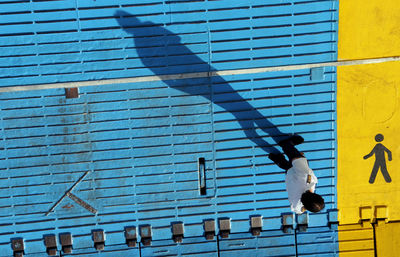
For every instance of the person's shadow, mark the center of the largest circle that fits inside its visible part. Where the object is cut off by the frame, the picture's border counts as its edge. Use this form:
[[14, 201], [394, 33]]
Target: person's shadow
[[147, 34]]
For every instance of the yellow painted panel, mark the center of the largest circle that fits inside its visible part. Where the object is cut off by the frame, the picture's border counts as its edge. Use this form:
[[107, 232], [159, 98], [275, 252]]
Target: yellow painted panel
[[368, 101], [387, 239], [369, 29], [355, 240]]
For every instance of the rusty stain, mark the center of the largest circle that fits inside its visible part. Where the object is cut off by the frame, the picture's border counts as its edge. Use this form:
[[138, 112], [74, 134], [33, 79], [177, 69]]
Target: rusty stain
[[82, 203], [68, 206], [72, 92], [74, 198]]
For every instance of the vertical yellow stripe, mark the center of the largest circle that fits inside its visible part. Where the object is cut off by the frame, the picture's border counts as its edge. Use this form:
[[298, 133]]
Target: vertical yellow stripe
[[368, 104], [369, 29]]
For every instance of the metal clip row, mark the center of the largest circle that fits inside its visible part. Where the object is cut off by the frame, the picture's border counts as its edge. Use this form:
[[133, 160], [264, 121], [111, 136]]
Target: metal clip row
[[130, 233]]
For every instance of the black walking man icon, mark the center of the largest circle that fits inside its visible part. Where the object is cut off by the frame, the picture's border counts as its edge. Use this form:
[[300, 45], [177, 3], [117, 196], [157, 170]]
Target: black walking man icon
[[380, 160]]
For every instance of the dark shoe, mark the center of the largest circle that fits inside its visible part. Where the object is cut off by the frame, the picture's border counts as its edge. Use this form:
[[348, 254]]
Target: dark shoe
[[294, 140], [276, 157], [280, 160]]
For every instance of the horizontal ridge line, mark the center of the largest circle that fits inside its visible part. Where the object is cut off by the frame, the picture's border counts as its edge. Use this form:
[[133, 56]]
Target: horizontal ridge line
[[196, 74]]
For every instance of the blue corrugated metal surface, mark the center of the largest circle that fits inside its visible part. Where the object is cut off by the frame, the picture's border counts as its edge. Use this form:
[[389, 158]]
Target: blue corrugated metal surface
[[194, 246], [53, 41], [317, 241], [142, 154], [141, 142], [269, 243]]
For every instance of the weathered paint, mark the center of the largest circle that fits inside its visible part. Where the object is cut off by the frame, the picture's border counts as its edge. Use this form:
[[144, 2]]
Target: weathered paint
[[368, 29]]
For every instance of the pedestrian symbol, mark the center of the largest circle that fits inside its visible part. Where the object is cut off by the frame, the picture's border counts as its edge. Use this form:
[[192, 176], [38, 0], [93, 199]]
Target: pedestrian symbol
[[380, 160]]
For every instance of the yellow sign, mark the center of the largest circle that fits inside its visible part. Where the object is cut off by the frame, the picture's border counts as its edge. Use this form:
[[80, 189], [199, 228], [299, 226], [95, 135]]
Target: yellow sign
[[368, 101]]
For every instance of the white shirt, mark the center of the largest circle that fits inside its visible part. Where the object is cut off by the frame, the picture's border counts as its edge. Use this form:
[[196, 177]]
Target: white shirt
[[296, 183]]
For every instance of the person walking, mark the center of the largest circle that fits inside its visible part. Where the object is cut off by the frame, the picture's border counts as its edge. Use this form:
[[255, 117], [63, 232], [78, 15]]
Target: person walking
[[300, 179], [380, 160]]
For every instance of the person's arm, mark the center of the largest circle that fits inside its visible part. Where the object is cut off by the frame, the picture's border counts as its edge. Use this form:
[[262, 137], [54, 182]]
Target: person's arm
[[389, 153], [370, 154]]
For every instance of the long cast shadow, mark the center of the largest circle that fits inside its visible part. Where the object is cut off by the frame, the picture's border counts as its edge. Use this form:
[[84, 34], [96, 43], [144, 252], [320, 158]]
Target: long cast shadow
[[147, 34]]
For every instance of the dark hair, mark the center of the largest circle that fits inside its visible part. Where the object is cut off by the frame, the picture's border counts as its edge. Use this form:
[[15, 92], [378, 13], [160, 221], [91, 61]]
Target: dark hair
[[312, 202]]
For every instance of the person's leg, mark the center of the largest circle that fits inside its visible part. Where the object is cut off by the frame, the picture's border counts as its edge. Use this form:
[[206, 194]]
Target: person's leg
[[280, 160], [289, 149], [385, 172], [373, 173]]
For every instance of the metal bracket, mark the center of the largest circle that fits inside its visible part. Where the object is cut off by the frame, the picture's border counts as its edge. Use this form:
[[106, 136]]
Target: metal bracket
[[146, 235], [382, 213], [130, 236], [72, 92], [256, 225], [50, 241], [202, 176], [302, 222], [287, 222], [66, 242], [224, 227], [209, 229], [99, 239], [18, 246], [177, 232], [333, 219], [74, 198], [366, 216], [317, 74]]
